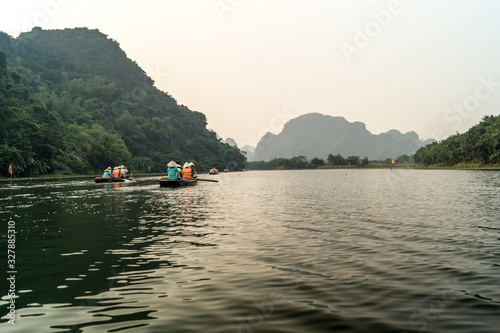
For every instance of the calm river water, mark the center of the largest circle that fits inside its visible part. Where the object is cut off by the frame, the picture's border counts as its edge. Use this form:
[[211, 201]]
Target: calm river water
[[269, 251]]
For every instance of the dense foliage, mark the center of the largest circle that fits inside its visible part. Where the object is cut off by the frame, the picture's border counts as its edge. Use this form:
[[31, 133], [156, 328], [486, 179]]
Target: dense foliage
[[29, 132], [71, 101], [301, 162], [479, 145]]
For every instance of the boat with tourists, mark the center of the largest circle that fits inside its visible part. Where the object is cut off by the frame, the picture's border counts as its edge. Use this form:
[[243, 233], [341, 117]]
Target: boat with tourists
[[213, 171], [179, 175], [108, 180], [116, 175]]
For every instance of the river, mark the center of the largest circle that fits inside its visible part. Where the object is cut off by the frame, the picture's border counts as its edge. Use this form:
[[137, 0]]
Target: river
[[342, 250]]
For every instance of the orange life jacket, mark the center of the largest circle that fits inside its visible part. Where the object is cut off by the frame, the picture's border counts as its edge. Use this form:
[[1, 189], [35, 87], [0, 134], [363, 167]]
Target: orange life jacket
[[116, 173], [187, 173]]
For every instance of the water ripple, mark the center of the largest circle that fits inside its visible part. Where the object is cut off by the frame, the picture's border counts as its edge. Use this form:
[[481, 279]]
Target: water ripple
[[296, 251]]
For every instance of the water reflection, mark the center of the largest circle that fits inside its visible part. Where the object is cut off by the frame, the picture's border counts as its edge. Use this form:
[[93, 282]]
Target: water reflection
[[351, 251], [98, 248]]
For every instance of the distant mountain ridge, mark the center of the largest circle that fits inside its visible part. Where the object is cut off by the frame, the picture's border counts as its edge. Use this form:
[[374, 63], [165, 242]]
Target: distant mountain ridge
[[317, 135]]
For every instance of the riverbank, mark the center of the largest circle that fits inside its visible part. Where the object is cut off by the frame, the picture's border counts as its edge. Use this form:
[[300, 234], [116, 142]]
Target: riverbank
[[461, 166], [407, 166]]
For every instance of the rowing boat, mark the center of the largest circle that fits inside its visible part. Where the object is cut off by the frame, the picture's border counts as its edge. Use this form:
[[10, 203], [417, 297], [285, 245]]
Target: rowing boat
[[108, 180], [177, 182]]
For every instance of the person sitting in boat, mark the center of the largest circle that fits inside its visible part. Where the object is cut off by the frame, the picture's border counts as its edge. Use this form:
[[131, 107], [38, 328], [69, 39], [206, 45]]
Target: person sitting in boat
[[116, 172], [179, 166], [187, 171], [123, 172], [173, 171], [107, 173]]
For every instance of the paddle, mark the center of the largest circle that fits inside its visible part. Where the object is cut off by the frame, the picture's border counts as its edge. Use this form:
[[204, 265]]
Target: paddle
[[150, 182], [208, 180]]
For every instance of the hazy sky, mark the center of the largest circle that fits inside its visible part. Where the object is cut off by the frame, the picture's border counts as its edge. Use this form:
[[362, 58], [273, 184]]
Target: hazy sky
[[432, 66]]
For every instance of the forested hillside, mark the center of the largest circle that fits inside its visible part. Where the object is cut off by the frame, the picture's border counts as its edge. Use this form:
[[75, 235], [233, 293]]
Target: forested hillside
[[71, 101], [480, 145]]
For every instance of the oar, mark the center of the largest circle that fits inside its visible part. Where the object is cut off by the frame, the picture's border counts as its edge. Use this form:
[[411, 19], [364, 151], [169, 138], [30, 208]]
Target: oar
[[208, 180], [151, 182]]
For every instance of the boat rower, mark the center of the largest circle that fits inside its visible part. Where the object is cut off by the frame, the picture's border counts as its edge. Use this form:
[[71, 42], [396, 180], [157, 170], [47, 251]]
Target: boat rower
[[107, 173]]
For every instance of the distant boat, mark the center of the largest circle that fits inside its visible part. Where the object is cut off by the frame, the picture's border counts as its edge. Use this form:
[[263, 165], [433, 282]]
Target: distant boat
[[226, 170], [213, 171], [177, 182], [108, 180]]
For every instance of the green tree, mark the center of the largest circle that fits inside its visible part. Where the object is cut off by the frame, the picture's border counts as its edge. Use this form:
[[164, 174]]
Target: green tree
[[98, 147], [3, 64], [403, 159], [317, 162], [480, 144], [139, 163], [233, 158], [336, 160], [353, 160]]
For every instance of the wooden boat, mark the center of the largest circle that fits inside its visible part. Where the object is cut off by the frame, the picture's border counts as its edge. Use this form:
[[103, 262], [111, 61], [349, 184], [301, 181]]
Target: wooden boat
[[177, 182], [108, 180], [213, 171]]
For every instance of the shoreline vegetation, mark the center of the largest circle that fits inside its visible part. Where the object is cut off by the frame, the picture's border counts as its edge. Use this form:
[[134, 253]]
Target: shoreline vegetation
[[476, 149], [462, 166], [338, 162]]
